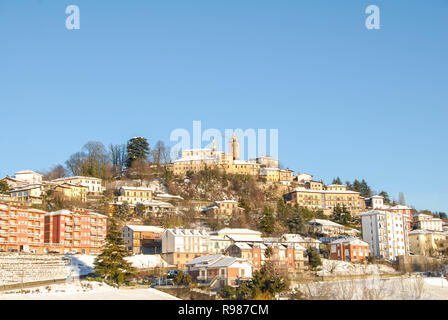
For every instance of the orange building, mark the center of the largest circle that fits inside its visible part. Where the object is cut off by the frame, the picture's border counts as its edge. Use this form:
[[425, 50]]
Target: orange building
[[21, 229], [83, 232], [349, 249]]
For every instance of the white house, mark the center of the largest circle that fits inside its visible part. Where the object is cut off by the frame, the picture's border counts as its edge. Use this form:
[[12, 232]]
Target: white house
[[28, 176]]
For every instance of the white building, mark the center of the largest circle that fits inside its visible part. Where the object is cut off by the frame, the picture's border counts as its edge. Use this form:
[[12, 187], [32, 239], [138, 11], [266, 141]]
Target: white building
[[180, 246], [376, 202], [326, 226], [386, 233], [185, 241], [428, 222], [93, 185], [28, 176]]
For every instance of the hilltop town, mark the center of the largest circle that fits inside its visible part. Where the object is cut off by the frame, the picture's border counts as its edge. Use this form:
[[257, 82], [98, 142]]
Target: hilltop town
[[213, 216]]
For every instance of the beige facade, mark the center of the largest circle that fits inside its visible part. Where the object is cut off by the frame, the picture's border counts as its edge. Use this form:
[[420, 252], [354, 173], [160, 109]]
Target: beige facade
[[93, 185], [424, 242], [134, 195], [195, 160], [224, 209], [326, 200]]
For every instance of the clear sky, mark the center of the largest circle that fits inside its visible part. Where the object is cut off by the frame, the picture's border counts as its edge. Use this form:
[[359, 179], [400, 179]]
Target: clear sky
[[347, 101]]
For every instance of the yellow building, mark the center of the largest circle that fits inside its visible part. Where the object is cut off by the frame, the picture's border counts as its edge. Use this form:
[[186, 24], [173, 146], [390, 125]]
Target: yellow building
[[326, 199], [134, 195], [72, 191], [195, 160]]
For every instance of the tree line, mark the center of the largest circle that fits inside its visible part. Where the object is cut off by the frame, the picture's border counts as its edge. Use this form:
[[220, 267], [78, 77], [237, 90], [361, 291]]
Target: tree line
[[98, 161]]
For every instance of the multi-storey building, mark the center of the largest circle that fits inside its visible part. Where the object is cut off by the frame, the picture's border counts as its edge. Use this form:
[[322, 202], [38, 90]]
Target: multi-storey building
[[182, 245], [83, 231], [375, 202], [21, 229], [386, 233], [405, 211], [327, 200], [31, 192], [349, 249], [28, 176], [302, 178], [143, 239], [224, 209], [287, 256], [93, 185], [427, 222], [195, 160], [326, 227], [276, 175], [71, 191], [425, 242], [134, 195]]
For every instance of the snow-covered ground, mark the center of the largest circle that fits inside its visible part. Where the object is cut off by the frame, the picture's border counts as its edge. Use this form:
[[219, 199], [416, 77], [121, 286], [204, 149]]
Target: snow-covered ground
[[82, 264], [406, 287], [85, 290], [336, 267]]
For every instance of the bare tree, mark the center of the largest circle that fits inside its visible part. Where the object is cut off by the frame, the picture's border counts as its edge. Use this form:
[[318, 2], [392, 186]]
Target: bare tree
[[160, 153], [55, 172], [118, 157]]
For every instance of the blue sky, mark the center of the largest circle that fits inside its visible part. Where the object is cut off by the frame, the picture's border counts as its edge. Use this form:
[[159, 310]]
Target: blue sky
[[347, 101]]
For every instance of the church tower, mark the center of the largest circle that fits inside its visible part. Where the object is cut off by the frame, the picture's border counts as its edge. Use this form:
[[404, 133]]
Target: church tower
[[234, 148]]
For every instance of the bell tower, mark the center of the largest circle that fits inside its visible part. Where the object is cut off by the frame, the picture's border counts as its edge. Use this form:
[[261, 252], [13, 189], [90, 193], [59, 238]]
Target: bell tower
[[234, 148]]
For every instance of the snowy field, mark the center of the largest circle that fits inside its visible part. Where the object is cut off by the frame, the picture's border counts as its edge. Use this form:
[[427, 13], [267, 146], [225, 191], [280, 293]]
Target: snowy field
[[85, 290], [82, 264], [336, 267], [406, 287]]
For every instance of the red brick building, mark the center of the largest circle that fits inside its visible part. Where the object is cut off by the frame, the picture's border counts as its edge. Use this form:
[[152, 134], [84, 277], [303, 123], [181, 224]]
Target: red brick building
[[21, 229], [349, 249], [83, 232]]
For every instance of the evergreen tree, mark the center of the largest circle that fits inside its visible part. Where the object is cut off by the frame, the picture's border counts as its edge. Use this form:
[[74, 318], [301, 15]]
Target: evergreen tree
[[366, 192], [124, 211], [111, 263], [267, 221], [4, 187], [283, 211], [341, 215], [296, 223], [313, 258], [137, 149], [385, 195], [337, 181]]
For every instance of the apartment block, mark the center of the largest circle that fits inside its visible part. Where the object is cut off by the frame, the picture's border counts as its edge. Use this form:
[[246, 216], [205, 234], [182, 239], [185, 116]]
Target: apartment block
[[386, 233], [182, 245], [83, 231], [327, 199], [427, 222], [143, 239], [21, 229]]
